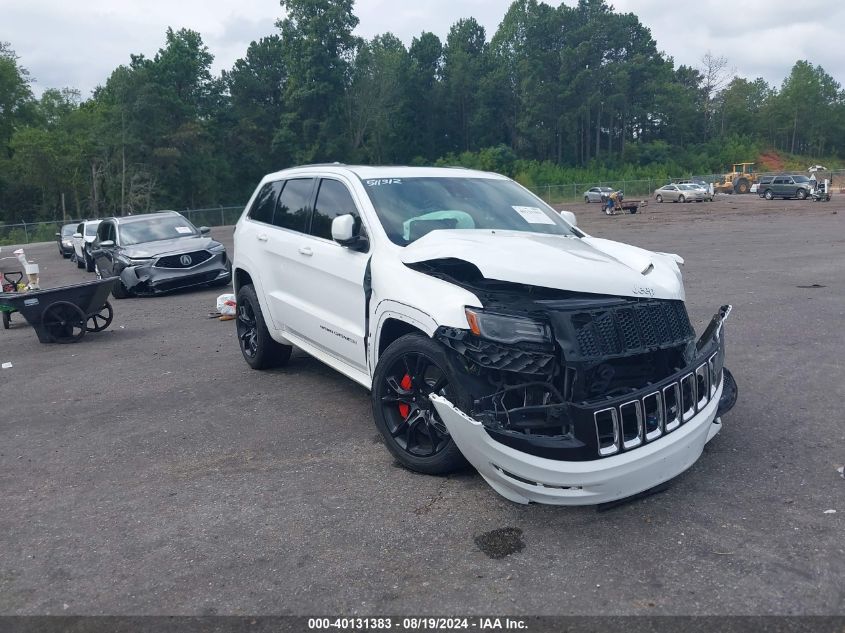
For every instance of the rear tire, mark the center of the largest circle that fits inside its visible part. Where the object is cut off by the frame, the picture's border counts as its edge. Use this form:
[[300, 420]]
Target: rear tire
[[411, 427], [659, 198], [768, 195], [259, 349]]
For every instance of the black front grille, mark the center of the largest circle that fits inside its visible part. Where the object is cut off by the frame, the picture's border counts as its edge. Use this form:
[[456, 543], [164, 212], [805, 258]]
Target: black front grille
[[625, 329], [176, 261]]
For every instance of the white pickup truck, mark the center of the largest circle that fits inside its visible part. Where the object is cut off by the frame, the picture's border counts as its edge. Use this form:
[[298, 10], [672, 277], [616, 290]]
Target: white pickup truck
[[487, 326]]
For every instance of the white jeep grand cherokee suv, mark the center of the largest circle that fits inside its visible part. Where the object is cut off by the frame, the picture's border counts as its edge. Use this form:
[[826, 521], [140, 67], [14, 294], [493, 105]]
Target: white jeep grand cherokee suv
[[563, 367]]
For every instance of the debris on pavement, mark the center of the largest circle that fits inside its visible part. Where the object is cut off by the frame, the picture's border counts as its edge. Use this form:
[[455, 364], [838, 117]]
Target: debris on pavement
[[830, 512], [6, 365]]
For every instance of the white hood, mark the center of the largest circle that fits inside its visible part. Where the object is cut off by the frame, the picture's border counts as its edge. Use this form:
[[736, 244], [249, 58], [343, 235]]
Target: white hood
[[588, 264]]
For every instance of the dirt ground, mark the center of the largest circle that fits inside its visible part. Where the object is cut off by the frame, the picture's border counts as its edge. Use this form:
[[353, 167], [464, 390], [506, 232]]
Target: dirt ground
[[148, 470]]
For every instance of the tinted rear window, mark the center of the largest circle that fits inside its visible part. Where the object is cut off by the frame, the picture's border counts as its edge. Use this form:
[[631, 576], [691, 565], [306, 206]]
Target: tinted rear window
[[262, 208], [293, 209]]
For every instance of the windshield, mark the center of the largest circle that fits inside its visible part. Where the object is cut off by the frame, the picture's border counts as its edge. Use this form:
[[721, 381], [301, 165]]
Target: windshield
[[153, 229], [91, 229], [409, 208], [800, 179], [68, 229]]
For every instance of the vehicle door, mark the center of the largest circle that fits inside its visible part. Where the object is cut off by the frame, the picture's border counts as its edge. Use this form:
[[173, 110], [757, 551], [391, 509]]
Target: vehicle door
[[672, 193], [328, 303], [279, 243], [791, 188], [779, 186], [104, 248]]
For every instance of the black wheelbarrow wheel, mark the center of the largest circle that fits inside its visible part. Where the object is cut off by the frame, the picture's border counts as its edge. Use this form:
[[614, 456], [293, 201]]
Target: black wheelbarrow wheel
[[99, 321], [7, 320], [64, 322]]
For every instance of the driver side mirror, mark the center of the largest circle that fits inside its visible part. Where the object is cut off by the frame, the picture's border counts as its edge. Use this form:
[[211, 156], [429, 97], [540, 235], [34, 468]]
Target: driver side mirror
[[569, 217], [343, 232], [77, 235], [204, 230], [107, 244]]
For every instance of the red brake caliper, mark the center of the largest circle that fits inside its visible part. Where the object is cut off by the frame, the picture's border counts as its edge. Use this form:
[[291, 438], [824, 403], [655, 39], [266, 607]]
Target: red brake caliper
[[405, 409]]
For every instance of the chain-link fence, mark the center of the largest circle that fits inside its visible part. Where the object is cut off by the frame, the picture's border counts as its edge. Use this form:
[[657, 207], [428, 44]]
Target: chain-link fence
[[29, 232]]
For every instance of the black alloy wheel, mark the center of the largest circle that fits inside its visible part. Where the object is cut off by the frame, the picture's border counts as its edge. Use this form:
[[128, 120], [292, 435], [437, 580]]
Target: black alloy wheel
[[412, 369], [259, 349]]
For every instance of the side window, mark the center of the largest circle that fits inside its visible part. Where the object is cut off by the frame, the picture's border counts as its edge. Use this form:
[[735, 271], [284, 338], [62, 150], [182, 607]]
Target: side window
[[262, 208], [333, 200], [103, 231], [293, 209]]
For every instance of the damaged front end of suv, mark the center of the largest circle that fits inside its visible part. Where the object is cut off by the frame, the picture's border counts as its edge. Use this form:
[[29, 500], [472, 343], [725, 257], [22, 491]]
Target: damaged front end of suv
[[579, 398]]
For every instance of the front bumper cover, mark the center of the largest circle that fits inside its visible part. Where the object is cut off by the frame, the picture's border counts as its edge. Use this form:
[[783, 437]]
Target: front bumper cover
[[630, 465], [150, 279]]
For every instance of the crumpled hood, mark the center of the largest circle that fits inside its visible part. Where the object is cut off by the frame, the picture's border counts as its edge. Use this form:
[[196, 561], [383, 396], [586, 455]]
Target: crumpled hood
[[588, 264], [169, 247]]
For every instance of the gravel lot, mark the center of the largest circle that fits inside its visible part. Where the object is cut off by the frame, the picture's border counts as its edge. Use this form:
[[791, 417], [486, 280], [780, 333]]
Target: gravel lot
[[148, 470]]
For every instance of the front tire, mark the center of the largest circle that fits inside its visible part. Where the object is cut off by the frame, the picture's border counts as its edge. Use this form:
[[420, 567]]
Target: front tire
[[79, 262], [408, 372], [801, 194], [681, 199], [259, 349], [89, 262], [586, 200]]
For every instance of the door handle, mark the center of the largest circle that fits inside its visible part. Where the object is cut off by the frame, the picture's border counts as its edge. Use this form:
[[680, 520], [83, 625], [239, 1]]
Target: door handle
[[261, 237], [306, 250]]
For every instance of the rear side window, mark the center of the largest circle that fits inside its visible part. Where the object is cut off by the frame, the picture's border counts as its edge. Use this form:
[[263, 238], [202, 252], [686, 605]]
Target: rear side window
[[262, 208], [105, 231], [333, 200], [293, 208]]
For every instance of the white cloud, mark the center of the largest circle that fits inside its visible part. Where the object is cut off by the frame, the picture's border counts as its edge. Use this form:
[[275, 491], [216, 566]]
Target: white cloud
[[79, 43]]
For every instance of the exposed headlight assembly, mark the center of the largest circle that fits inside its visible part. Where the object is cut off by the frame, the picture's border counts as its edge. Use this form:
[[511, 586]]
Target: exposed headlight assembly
[[506, 329]]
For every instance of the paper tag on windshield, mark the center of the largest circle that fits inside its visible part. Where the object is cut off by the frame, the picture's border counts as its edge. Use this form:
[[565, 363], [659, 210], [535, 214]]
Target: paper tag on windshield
[[183, 229], [533, 215]]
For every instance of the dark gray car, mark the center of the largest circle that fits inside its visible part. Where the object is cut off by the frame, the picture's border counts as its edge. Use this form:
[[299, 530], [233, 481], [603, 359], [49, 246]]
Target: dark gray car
[[158, 252], [784, 186]]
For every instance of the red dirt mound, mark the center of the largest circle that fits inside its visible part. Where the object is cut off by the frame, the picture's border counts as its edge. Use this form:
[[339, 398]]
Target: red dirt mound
[[770, 161]]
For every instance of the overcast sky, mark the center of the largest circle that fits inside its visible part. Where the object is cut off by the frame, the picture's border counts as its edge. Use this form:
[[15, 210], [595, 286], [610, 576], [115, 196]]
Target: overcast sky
[[78, 43]]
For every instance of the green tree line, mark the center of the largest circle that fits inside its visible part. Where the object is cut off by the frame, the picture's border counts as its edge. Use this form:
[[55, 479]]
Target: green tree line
[[560, 90]]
